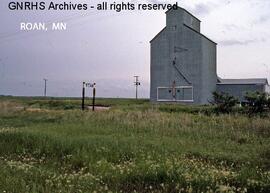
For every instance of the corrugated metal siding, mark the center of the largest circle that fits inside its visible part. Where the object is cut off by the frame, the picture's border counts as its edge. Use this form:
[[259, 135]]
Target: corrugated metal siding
[[239, 90], [195, 63]]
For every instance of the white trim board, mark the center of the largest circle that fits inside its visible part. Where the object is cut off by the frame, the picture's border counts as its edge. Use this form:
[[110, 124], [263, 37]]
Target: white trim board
[[174, 100]]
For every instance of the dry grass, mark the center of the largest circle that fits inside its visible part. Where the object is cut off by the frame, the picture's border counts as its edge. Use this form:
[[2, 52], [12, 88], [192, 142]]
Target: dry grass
[[131, 148]]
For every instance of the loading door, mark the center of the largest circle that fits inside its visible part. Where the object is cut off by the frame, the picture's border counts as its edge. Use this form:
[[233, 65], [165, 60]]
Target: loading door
[[178, 94]]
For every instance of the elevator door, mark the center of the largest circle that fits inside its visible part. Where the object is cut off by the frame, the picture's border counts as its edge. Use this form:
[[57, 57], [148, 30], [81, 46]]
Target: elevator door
[[179, 93]]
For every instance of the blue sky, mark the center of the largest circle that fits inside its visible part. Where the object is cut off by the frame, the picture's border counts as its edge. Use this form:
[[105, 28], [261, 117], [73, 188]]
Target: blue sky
[[109, 48]]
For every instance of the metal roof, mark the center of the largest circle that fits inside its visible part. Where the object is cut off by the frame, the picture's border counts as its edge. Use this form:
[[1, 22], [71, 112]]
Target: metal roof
[[180, 8], [186, 27], [262, 81], [158, 34], [199, 33]]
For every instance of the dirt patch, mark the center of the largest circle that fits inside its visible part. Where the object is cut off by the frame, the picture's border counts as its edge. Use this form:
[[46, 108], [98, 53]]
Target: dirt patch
[[99, 108], [37, 110]]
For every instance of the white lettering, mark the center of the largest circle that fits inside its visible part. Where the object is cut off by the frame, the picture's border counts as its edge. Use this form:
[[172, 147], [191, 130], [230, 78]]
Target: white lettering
[[33, 26], [59, 26]]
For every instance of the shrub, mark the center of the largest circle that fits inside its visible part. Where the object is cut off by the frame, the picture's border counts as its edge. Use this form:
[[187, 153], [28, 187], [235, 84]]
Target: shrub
[[69, 107], [257, 102], [224, 102]]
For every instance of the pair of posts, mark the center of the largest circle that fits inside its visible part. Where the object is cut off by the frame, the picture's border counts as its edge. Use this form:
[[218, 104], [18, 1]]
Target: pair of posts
[[90, 85]]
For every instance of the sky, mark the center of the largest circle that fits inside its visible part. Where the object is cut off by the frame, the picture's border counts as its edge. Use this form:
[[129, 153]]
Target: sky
[[109, 48]]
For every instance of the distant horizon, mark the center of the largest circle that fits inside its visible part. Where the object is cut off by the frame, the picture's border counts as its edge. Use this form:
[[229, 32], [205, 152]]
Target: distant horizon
[[70, 97], [58, 88]]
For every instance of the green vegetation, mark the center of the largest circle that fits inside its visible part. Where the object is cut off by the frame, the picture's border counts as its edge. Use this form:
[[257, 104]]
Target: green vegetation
[[258, 103], [49, 145], [224, 102]]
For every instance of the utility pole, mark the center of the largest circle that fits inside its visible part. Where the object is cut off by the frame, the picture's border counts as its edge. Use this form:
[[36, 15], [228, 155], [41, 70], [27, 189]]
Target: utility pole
[[137, 83], [45, 87], [83, 95], [94, 97]]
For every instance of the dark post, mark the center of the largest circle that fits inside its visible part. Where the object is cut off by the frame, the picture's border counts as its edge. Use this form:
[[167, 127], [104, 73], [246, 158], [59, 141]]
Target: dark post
[[136, 92], [83, 95], [94, 98], [45, 87], [174, 90]]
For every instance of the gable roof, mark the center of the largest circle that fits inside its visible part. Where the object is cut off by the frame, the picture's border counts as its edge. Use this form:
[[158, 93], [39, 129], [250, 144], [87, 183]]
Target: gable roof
[[199, 33], [260, 81], [158, 34], [183, 10], [186, 27]]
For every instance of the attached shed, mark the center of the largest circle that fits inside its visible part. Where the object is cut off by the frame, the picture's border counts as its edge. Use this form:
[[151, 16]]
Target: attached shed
[[239, 87]]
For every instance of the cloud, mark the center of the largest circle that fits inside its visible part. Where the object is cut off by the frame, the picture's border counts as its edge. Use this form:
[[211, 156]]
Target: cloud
[[202, 9], [262, 19], [157, 1], [239, 42], [206, 7], [230, 27]]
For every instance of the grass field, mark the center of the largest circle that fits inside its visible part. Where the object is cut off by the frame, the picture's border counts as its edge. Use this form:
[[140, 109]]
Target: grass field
[[49, 145]]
